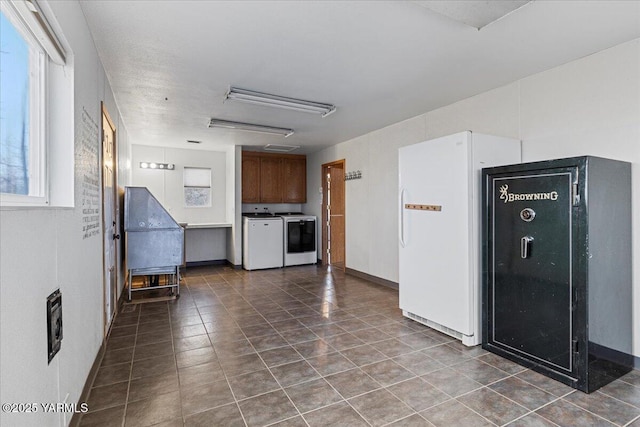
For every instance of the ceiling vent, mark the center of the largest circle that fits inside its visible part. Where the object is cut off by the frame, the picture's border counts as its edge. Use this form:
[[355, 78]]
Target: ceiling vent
[[280, 148], [193, 141]]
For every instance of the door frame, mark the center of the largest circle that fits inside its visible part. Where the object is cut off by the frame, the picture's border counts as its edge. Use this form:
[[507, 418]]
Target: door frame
[[325, 218], [114, 292]]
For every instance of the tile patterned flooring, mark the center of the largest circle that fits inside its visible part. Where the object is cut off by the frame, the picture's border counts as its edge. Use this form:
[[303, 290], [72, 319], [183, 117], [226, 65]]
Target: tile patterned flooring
[[304, 346]]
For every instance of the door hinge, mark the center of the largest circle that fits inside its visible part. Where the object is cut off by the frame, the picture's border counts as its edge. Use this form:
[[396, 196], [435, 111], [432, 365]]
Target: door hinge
[[575, 346], [575, 193]]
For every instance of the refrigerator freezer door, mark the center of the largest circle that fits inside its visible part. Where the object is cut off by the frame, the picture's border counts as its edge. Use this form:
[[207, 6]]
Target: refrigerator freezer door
[[434, 251], [439, 229]]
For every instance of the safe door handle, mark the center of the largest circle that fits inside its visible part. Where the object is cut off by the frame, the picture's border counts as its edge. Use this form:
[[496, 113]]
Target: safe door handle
[[525, 246]]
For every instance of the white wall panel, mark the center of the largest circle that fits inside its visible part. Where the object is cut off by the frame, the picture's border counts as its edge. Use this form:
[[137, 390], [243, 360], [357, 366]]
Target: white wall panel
[[493, 113], [150, 178], [44, 248], [382, 179], [168, 185], [26, 376], [601, 91]]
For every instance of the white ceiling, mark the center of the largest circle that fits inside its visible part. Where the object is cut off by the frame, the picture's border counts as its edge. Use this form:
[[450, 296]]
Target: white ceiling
[[170, 63]]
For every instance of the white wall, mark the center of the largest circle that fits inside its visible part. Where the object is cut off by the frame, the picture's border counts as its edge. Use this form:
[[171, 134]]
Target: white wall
[[43, 249], [587, 107], [168, 185], [201, 244], [234, 205]]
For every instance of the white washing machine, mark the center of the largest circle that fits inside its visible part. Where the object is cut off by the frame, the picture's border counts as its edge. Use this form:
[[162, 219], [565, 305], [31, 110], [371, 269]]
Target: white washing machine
[[262, 245], [299, 239]]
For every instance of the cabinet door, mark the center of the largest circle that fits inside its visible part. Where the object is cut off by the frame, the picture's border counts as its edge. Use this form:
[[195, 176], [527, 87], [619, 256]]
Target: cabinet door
[[250, 180], [294, 180], [270, 180]]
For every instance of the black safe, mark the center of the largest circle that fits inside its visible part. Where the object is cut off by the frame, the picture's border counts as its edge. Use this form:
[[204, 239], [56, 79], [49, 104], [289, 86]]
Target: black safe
[[557, 268]]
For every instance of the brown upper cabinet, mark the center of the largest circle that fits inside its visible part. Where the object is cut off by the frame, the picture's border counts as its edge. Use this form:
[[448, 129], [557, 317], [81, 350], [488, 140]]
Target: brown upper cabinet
[[250, 179], [273, 178]]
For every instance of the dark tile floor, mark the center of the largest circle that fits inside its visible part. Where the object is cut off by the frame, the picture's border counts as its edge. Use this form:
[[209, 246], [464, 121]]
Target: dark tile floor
[[304, 346]]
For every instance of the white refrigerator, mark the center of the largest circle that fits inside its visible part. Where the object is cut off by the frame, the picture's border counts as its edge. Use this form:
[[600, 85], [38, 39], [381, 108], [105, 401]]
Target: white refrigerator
[[440, 277]]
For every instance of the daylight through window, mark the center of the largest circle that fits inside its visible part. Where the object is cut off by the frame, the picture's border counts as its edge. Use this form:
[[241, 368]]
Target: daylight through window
[[197, 187], [28, 46], [21, 84]]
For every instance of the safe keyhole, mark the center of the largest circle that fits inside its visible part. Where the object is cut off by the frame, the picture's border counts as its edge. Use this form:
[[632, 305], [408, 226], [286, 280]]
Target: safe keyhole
[[527, 214]]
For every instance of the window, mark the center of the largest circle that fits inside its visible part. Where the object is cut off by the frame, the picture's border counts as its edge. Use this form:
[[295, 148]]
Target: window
[[197, 187], [27, 45]]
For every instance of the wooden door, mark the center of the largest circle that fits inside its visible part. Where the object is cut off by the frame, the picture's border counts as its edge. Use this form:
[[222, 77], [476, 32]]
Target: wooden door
[[270, 180], [109, 218], [333, 215], [294, 172], [250, 179]]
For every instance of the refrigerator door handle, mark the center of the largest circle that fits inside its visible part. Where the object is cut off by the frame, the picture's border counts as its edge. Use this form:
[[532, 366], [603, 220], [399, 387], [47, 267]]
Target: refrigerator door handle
[[401, 225]]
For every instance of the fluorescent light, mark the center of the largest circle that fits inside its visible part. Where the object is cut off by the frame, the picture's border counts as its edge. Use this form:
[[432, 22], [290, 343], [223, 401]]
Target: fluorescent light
[[252, 97], [226, 124], [280, 148]]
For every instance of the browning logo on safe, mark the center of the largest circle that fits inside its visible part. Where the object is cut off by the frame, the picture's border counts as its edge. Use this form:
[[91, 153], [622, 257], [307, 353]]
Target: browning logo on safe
[[514, 197]]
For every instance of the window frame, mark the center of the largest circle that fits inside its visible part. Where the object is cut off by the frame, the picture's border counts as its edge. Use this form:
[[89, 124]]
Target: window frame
[[38, 106], [209, 187]]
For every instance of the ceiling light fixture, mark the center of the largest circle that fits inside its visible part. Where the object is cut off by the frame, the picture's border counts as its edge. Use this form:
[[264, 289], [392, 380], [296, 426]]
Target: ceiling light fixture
[[226, 124], [153, 165], [259, 98]]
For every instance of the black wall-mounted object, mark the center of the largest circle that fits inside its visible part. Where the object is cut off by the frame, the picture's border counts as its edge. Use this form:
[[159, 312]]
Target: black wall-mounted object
[[54, 324], [557, 268]]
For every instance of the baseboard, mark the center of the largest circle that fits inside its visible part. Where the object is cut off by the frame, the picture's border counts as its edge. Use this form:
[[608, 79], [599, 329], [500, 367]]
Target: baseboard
[[84, 396], [374, 279], [636, 362], [209, 262]]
